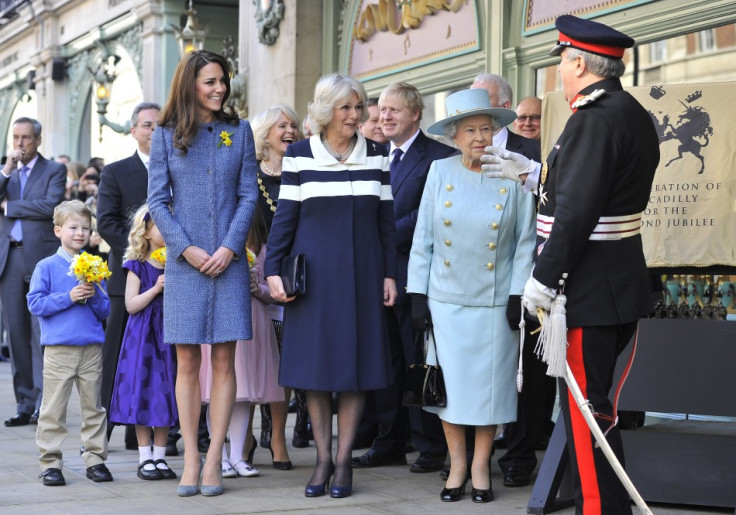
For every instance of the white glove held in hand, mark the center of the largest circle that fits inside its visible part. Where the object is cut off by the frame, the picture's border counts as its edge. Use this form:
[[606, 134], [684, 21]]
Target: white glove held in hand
[[500, 163], [536, 295]]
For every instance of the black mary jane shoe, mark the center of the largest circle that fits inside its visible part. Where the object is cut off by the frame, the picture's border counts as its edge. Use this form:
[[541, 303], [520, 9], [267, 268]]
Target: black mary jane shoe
[[481, 496], [149, 475], [453, 494], [166, 472]]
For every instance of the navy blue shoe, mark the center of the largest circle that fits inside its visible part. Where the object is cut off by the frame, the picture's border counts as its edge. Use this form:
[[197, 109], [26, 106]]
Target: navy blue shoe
[[320, 489], [340, 491]]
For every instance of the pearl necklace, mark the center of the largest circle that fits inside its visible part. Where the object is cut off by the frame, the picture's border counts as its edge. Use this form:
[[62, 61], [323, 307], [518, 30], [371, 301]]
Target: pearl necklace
[[267, 170], [340, 156]]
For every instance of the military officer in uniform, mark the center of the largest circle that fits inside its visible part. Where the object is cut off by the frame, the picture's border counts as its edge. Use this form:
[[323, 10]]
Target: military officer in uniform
[[592, 191]]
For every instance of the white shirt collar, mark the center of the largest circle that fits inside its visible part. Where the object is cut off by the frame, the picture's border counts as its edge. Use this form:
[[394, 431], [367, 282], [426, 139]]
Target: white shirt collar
[[501, 138], [64, 254], [404, 146], [145, 158]]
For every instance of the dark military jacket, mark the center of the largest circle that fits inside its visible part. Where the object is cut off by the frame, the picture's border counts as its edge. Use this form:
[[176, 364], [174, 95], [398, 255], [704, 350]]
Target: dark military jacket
[[602, 165]]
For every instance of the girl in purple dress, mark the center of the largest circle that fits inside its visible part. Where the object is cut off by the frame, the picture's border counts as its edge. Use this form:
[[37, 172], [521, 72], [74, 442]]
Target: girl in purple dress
[[146, 376]]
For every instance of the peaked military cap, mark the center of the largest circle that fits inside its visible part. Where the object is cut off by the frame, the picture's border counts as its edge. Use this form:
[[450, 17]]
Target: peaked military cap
[[590, 36]]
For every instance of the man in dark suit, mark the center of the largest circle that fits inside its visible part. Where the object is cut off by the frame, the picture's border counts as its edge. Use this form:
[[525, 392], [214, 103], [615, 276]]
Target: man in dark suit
[[30, 187], [537, 398], [411, 153], [123, 189]]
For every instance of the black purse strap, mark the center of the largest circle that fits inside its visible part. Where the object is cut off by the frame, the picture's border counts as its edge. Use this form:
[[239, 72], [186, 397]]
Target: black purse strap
[[420, 345]]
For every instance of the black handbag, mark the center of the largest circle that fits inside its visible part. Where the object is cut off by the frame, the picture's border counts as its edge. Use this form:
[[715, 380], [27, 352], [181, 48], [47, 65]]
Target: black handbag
[[424, 384], [294, 275]]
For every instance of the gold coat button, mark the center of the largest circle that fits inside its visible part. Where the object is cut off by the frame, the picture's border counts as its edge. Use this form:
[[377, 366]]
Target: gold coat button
[[494, 226], [448, 243], [449, 187], [447, 263], [448, 203], [447, 223], [503, 191], [499, 207], [490, 266], [492, 246]]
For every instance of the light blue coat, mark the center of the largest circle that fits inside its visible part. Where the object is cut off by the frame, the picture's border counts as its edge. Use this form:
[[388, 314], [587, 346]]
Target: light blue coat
[[474, 239], [206, 199]]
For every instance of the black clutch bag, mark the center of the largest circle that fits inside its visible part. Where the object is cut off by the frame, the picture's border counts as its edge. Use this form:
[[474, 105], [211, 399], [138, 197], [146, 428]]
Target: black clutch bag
[[294, 275], [424, 384]]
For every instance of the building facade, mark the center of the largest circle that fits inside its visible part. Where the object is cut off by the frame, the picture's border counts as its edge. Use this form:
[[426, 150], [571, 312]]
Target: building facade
[[53, 52]]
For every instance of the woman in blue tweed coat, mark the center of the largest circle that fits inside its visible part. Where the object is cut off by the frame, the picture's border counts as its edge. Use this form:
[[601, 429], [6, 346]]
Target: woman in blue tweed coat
[[335, 207], [201, 193]]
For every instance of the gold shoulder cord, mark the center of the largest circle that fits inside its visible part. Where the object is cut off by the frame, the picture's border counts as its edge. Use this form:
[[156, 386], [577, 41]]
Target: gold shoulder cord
[[269, 201]]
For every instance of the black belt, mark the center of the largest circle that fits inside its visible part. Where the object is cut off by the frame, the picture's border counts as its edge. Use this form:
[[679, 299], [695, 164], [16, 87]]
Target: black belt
[[16, 244]]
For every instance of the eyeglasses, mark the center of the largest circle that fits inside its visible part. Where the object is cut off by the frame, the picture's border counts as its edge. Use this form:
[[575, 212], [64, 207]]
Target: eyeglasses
[[529, 118]]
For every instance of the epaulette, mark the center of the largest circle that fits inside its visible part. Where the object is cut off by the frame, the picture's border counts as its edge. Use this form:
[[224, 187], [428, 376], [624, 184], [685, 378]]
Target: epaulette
[[583, 100]]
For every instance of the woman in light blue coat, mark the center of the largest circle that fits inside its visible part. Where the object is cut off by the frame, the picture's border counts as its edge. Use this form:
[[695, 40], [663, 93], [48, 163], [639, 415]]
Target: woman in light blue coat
[[201, 193], [472, 249]]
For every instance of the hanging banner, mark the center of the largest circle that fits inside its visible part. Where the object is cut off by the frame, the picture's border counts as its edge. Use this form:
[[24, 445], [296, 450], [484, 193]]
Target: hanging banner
[[691, 217]]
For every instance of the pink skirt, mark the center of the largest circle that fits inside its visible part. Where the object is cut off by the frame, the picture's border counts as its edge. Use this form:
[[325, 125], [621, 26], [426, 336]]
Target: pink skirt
[[256, 362]]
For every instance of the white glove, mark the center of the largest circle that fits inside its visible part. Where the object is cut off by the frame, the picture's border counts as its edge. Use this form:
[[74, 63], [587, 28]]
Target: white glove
[[537, 295], [500, 163]]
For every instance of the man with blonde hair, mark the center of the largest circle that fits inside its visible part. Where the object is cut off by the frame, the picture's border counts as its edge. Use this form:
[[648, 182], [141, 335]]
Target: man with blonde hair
[[411, 153]]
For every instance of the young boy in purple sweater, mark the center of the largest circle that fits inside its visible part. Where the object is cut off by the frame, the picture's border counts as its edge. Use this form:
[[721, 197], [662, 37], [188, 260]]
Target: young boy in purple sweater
[[70, 315]]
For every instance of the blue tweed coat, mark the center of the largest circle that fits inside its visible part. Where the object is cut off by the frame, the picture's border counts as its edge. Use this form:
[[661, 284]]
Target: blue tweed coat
[[206, 199]]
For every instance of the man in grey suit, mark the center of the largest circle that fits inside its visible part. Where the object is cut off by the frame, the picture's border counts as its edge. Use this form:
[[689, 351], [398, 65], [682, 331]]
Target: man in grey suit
[[123, 189], [30, 187]]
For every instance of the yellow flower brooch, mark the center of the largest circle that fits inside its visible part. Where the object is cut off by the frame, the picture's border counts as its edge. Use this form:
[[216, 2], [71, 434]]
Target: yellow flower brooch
[[225, 139]]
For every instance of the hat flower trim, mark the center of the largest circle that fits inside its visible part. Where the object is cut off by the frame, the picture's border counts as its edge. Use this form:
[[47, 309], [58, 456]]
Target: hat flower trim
[[588, 99]]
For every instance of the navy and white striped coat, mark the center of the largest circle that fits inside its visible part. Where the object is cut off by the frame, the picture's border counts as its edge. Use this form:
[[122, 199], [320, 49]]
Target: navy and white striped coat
[[340, 216]]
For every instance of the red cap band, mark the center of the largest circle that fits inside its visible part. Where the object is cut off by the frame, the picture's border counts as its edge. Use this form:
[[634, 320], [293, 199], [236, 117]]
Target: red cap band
[[609, 51]]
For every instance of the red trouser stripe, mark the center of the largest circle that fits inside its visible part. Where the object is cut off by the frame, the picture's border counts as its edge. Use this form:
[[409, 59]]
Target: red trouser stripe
[[582, 437]]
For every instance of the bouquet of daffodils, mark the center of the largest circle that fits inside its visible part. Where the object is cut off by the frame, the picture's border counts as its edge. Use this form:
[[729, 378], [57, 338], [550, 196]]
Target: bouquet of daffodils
[[252, 259], [159, 255], [88, 268]]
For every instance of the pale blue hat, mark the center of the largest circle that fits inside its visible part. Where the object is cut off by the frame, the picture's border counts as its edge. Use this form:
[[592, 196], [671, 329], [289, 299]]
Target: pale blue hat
[[471, 102]]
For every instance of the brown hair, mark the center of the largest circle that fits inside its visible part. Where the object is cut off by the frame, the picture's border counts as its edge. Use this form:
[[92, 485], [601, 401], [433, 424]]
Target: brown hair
[[258, 233], [180, 112]]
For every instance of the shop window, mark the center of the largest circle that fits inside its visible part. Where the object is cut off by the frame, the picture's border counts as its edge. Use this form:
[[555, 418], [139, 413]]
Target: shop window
[[658, 51], [706, 40]]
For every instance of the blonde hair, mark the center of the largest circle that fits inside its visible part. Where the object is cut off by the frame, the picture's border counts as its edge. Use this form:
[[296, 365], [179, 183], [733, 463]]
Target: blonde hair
[[63, 211], [405, 93], [137, 249], [263, 122], [330, 91]]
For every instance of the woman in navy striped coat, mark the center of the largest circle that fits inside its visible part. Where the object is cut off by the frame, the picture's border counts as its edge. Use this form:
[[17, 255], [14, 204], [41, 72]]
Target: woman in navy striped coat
[[335, 207]]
